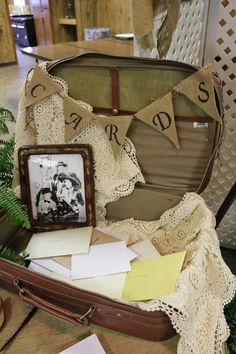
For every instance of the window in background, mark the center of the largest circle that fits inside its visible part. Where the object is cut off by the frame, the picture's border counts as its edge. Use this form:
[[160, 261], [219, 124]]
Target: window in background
[[19, 2]]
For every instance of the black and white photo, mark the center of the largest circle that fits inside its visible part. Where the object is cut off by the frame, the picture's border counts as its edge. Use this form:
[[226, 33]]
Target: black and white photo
[[57, 184]]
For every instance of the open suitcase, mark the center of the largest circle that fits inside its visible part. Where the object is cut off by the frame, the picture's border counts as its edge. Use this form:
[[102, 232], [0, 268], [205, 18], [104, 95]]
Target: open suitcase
[[126, 86]]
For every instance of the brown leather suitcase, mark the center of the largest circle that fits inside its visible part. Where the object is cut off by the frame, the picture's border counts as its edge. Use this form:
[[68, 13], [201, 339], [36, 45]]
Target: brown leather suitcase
[[165, 185]]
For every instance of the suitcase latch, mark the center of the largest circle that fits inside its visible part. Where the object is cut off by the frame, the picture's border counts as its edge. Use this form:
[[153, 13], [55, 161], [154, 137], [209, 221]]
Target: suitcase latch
[[18, 285], [84, 318]]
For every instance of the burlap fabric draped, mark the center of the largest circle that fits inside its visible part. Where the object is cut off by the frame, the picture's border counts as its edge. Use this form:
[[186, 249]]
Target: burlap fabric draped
[[143, 14]]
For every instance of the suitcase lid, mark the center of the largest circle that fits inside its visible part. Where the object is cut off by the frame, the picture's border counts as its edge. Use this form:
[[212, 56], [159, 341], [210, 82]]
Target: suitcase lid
[[120, 86]]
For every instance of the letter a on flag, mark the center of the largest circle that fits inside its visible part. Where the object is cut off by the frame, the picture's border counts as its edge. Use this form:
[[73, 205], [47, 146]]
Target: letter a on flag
[[76, 117]]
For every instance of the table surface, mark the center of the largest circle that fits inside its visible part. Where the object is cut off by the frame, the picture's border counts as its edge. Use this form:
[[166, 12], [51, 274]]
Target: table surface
[[45, 334], [61, 50]]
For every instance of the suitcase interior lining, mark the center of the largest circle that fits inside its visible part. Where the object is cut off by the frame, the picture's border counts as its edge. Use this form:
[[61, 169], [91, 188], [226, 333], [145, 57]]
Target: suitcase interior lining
[[137, 87], [178, 170]]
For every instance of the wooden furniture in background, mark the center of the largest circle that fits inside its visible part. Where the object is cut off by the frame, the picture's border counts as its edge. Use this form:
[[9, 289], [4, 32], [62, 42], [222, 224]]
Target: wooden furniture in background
[[42, 20], [24, 30], [102, 13], [114, 14], [62, 50], [7, 48], [53, 25]]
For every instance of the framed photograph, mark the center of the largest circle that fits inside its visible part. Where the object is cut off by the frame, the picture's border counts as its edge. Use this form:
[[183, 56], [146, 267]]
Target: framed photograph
[[57, 185]]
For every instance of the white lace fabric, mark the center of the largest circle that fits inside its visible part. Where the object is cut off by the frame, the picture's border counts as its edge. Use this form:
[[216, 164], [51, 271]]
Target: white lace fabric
[[205, 284]]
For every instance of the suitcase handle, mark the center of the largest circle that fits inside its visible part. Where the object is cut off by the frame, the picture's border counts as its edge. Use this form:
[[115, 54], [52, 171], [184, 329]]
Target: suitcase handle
[[2, 313], [79, 320]]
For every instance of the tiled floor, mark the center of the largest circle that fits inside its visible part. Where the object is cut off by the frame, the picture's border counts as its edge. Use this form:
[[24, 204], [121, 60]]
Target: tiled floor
[[12, 78]]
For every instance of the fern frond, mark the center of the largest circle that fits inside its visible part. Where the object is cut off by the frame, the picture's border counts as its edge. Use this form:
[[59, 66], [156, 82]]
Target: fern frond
[[5, 116], [6, 160], [13, 207], [6, 178], [230, 315], [3, 128], [3, 141], [8, 146], [11, 255]]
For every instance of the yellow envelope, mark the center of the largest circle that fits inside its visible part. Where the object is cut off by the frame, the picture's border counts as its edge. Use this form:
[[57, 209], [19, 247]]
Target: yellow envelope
[[153, 277]]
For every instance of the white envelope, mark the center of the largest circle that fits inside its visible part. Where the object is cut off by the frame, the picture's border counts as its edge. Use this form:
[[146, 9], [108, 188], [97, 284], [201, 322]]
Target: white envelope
[[89, 345], [144, 249], [110, 285], [59, 243], [39, 269], [52, 265], [131, 254], [103, 259], [66, 260]]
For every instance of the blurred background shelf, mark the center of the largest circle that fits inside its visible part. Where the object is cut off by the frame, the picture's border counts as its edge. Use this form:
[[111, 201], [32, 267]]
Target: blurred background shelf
[[67, 21]]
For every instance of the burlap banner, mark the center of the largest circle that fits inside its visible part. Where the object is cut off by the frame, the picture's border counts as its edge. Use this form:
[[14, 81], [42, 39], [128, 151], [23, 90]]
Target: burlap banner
[[200, 90], [116, 129], [40, 86], [160, 116], [76, 117]]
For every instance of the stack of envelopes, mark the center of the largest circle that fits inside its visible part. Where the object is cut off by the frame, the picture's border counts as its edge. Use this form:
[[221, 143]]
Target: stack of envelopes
[[100, 261]]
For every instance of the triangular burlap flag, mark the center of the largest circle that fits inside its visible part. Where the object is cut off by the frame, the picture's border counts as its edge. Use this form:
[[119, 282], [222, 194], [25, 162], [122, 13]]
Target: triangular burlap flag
[[76, 117], [40, 86], [116, 129], [142, 18], [160, 116], [200, 90]]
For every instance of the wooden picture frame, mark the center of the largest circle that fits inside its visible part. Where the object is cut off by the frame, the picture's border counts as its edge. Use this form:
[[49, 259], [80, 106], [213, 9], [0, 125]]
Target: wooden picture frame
[[57, 185]]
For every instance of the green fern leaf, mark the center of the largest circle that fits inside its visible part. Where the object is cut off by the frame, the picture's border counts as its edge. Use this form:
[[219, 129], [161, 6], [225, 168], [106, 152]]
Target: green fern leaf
[[13, 207], [6, 160], [230, 315], [5, 116], [3, 128], [11, 255]]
